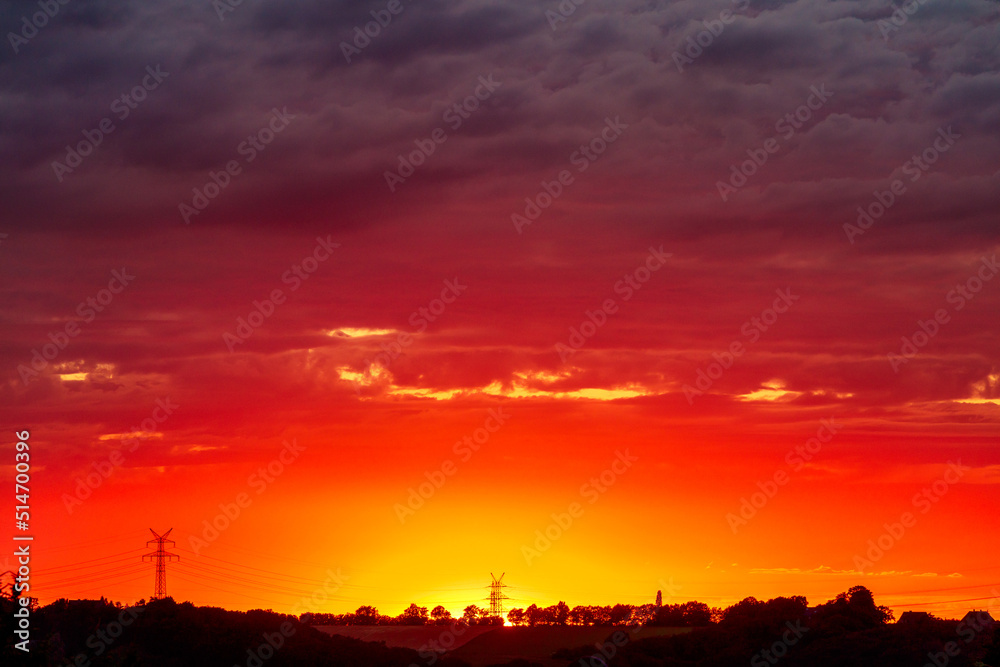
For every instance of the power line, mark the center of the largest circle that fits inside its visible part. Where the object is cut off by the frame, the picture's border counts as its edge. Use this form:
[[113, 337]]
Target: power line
[[131, 537], [196, 583], [260, 555], [942, 602], [289, 579], [235, 578], [274, 575], [102, 586], [83, 566], [939, 590], [90, 571], [106, 579]]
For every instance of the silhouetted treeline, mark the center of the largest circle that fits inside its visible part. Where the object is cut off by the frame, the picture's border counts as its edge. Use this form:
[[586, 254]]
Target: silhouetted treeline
[[412, 615], [689, 614], [848, 630], [98, 633], [692, 614]]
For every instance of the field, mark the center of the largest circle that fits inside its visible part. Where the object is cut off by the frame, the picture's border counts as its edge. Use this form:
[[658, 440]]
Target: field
[[481, 646], [408, 636]]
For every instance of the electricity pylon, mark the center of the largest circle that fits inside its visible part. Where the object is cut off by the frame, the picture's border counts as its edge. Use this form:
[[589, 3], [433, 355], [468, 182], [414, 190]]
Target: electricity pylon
[[162, 557], [497, 596]]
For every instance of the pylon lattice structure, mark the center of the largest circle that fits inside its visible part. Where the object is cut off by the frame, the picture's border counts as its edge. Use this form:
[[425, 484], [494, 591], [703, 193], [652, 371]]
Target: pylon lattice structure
[[497, 596], [162, 556]]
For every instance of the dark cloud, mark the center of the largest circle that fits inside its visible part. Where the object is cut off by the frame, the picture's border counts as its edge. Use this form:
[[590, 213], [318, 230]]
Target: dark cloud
[[657, 184]]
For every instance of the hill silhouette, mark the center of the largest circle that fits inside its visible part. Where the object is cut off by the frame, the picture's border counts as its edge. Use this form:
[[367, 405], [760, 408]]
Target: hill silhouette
[[850, 629], [164, 633]]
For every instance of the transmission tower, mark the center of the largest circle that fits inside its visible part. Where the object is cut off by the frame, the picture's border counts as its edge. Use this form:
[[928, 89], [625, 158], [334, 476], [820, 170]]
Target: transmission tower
[[497, 596], [162, 557]]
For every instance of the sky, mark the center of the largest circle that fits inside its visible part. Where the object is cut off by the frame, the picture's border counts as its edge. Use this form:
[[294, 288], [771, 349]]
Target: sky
[[612, 298]]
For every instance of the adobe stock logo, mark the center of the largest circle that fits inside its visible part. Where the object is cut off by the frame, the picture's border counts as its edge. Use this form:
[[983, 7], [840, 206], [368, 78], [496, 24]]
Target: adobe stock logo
[[923, 501], [419, 319], [900, 16], [752, 329], [122, 107], [437, 477], [629, 284], [915, 167], [87, 310], [564, 10], [697, 44], [796, 458], [454, 116], [105, 467], [591, 491], [786, 126], [779, 649], [250, 148], [372, 29], [294, 276], [958, 298], [581, 158], [30, 28], [258, 481]]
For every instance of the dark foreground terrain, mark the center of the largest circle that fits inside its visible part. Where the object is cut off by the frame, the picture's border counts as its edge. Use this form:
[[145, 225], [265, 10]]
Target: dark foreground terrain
[[850, 630]]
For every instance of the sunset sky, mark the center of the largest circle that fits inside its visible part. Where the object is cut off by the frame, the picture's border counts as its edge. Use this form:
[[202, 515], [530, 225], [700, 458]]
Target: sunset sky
[[623, 239]]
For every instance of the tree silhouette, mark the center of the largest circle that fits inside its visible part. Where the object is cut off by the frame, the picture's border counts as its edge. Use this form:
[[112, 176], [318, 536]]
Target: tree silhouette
[[854, 610], [413, 615], [861, 599], [7, 590], [744, 610], [621, 613], [440, 615], [366, 615], [473, 614], [533, 615], [561, 614], [516, 617]]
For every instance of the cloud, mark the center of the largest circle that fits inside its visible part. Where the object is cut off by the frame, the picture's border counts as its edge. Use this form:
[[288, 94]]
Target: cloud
[[657, 185]]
